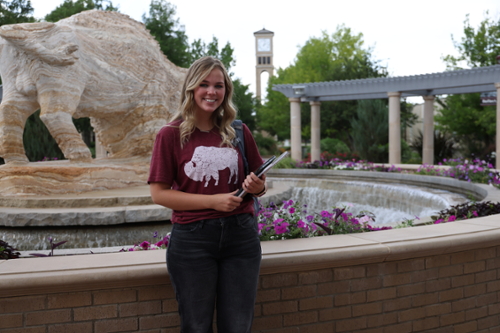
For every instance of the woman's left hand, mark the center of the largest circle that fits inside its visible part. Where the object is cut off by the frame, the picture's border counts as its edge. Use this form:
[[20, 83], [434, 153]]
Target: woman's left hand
[[254, 184]]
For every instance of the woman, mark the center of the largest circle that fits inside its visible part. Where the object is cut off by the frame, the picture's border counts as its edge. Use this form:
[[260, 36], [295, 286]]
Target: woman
[[214, 254]]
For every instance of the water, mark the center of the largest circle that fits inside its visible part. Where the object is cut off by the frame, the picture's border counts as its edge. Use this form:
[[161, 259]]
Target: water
[[390, 203], [31, 238]]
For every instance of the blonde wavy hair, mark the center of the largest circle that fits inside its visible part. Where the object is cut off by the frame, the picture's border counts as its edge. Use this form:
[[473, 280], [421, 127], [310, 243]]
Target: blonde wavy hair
[[222, 117]]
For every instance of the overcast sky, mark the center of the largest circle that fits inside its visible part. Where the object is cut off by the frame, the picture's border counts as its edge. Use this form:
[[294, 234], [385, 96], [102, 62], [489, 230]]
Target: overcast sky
[[409, 38]]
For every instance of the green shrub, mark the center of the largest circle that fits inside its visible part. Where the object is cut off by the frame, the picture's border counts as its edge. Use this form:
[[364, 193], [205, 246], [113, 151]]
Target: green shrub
[[266, 144], [334, 146]]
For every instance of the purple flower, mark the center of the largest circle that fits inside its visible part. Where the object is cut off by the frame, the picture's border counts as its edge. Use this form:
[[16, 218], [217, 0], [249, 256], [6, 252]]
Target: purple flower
[[452, 218], [438, 221], [291, 210], [325, 214], [281, 229], [475, 214], [277, 221], [145, 245], [301, 224]]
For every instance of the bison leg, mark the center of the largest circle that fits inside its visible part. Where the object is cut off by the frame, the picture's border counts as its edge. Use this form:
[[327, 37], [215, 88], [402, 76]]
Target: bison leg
[[60, 125], [13, 116]]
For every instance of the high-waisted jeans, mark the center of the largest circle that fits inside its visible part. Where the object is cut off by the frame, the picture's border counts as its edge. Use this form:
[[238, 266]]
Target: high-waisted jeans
[[214, 264]]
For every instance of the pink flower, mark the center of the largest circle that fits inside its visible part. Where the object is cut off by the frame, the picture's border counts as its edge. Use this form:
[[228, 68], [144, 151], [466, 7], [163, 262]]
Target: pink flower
[[364, 219], [301, 224], [291, 210], [452, 218], [438, 221], [277, 221], [281, 229], [145, 245], [475, 214], [325, 213]]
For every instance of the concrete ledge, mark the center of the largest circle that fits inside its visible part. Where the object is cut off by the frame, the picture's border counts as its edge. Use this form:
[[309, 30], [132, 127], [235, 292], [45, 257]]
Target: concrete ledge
[[35, 276]]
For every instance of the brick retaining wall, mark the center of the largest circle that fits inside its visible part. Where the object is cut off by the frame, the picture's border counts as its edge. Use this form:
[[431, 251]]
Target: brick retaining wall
[[453, 292]]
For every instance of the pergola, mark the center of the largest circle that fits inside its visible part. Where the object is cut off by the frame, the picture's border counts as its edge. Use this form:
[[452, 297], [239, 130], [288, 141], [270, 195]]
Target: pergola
[[481, 79]]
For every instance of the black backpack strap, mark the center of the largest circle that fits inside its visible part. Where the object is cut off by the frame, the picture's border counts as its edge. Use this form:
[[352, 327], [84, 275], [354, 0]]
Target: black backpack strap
[[239, 142]]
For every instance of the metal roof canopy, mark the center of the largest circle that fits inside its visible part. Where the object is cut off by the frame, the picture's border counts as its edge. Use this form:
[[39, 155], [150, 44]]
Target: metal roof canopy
[[480, 79]]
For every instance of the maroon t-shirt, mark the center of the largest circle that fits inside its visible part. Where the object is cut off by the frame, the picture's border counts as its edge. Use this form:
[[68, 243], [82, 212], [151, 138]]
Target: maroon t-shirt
[[202, 166]]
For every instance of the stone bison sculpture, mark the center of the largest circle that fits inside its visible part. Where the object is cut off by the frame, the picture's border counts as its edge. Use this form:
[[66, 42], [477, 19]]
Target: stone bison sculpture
[[97, 64]]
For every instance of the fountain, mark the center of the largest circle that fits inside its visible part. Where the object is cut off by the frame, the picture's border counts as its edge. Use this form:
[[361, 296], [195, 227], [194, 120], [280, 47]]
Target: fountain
[[115, 218]]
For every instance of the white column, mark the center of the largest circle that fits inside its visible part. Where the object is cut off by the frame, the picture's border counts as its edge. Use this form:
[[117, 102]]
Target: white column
[[315, 131], [295, 131], [428, 139], [258, 73], [394, 127], [497, 162]]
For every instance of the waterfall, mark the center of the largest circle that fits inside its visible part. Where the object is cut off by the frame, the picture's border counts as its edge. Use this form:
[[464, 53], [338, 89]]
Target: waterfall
[[390, 203]]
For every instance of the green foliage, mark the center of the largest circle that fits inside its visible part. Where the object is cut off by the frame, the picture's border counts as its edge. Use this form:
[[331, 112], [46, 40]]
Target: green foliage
[[16, 11], [466, 211], [370, 128], [408, 118], [406, 152], [169, 33], [7, 251], [274, 115], [70, 7], [245, 102], [200, 49], [472, 125], [443, 145], [38, 142], [479, 47], [267, 145], [286, 163], [340, 56], [333, 146]]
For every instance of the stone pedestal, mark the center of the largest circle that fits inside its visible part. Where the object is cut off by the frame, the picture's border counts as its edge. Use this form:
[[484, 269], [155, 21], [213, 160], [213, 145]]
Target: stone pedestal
[[61, 177]]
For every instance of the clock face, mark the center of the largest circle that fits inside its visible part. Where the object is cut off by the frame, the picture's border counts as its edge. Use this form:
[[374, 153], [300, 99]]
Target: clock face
[[264, 44]]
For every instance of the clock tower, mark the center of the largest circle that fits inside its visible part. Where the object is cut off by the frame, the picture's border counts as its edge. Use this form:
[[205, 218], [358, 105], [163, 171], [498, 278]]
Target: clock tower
[[263, 56]]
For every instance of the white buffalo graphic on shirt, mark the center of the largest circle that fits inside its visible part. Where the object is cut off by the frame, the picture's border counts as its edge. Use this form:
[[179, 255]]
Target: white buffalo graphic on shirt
[[207, 161]]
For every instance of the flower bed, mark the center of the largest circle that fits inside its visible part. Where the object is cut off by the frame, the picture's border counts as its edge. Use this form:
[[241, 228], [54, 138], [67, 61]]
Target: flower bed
[[470, 170]]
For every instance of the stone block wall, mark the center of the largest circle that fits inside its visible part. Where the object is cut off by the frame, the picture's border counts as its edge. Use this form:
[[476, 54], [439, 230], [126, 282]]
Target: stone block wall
[[449, 292]]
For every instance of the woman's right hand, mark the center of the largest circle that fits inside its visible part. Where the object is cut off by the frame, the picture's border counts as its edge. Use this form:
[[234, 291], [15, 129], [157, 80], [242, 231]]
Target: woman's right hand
[[226, 202]]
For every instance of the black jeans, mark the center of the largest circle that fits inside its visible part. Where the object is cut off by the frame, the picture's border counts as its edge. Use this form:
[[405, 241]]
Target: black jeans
[[215, 264]]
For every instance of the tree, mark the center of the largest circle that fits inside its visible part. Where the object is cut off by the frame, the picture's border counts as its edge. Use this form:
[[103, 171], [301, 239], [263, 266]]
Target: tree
[[340, 56], [472, 125], [38, 143], [200, 49], [477, 48], [169, 33], [16, 11], [370, 130], [70, 7]]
